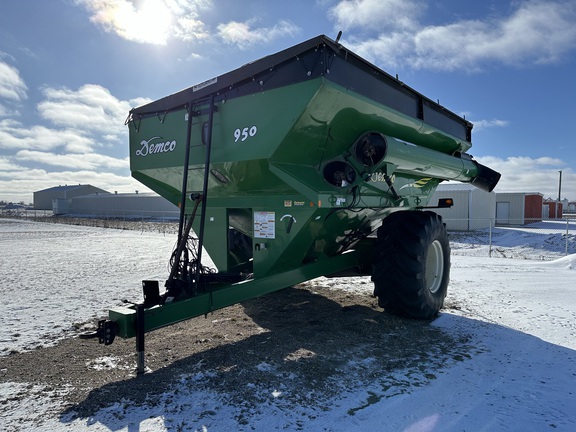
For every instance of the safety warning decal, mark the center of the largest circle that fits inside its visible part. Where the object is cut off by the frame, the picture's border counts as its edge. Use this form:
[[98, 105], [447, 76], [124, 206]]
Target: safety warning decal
[[264, 225]]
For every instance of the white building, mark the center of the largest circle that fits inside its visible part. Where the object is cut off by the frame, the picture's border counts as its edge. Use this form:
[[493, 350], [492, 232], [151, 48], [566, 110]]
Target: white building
[[473, 208], [518, 208]]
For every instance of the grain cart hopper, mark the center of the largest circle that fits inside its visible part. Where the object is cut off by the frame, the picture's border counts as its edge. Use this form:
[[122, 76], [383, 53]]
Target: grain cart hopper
[[305, 163]]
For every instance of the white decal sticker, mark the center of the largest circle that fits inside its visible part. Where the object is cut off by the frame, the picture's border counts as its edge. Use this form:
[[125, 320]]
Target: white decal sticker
[[150, 147], [264, 225], [288, 216], [379, 176], [245, 133], [204, 84]]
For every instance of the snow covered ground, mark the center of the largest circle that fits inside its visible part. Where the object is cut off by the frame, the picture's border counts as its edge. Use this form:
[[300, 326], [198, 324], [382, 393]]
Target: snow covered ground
[[53, 276], [519, 314]]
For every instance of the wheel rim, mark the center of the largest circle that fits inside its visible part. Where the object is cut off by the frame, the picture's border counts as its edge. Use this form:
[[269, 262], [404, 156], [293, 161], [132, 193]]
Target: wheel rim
[[434, 266]]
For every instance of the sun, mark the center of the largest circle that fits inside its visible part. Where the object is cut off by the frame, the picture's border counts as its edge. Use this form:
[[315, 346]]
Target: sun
[[148, 22]]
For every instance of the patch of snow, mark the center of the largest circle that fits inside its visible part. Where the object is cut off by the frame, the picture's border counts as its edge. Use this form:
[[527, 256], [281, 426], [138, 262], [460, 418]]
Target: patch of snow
[[110, 362], [518, 313], [56, 277]]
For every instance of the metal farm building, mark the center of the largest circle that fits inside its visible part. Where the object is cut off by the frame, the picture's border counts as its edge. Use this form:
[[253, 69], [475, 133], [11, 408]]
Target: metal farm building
[[473, 208], [518, 208], [44, 199], [132, 205], [90, 201]]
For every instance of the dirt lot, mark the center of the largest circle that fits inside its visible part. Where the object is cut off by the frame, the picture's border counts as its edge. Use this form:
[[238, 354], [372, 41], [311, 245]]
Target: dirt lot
[[303, 335], [306, 338]]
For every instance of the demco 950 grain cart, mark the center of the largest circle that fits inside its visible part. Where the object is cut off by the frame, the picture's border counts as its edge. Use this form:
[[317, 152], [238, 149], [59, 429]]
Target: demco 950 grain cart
[[309, 162]]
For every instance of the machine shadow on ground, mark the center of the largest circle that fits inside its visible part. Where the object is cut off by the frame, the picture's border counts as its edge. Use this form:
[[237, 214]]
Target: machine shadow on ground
[[312, 344]]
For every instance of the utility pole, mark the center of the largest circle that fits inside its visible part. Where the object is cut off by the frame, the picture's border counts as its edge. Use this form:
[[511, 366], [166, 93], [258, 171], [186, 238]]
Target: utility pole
[[559, 185]]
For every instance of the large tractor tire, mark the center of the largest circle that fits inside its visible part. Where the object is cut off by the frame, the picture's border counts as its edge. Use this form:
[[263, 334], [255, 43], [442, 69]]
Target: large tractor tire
[[411, 264]]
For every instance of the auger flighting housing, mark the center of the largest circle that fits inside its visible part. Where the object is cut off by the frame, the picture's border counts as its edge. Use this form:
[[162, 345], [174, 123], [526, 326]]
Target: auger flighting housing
[[308, 162]]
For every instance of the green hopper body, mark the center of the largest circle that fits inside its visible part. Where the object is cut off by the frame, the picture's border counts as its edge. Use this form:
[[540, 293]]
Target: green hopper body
[[298, 156]]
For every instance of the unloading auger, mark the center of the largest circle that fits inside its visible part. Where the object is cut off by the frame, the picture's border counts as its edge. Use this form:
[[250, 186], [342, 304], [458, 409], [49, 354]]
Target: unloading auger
[[309, 162]]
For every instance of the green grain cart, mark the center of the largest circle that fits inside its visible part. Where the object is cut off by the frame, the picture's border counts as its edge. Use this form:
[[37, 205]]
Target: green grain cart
[[309, 162]]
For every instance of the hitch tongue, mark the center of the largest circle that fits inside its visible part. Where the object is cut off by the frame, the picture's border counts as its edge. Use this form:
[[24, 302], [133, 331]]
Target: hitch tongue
[[106, 332]]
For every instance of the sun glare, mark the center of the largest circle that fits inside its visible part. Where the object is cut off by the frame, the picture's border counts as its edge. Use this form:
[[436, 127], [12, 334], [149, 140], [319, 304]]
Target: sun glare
[[150, 22]]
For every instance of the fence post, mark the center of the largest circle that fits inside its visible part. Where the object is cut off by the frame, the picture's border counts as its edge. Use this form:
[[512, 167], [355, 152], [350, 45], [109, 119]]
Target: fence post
[[490, 238], [567, 229]]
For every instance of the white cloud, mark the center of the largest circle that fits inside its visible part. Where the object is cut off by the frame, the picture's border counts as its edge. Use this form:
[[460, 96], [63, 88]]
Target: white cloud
[[85, 161], [485, 124], [90, 108], [6, 164], [387, 15], [525, 174], [189, 29], [15, 136], [81, 121], [242, 35], [158, 21], [150, 21], [539, 31], [12, 86], [388, 49], [19, 185], [524, 162]]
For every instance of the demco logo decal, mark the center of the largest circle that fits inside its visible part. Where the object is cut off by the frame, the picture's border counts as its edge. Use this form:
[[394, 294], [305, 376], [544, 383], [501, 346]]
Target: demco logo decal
[[153, 147]]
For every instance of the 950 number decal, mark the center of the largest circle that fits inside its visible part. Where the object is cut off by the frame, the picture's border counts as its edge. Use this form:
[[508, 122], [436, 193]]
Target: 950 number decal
[[245, 133]]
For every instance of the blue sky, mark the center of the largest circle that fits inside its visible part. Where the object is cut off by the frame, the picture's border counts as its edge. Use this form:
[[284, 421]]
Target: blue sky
[[70, 70]]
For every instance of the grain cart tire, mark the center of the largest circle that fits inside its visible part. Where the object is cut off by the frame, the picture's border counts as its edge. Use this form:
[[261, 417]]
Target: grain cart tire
[[411, 264]]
